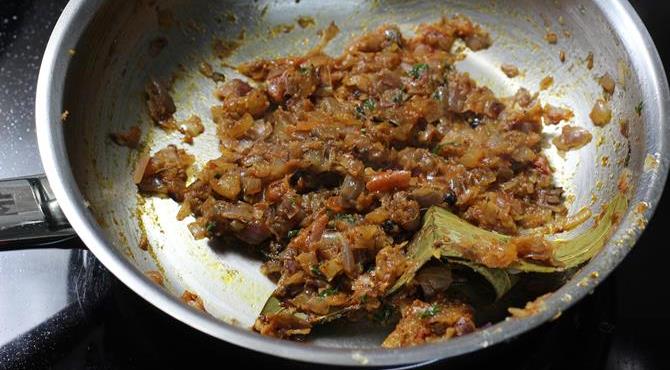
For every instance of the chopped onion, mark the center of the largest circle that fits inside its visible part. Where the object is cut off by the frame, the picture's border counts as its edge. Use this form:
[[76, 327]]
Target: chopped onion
[[240, 127], [192, 126], [331, 268], [510, 70], [427, 197], [554, 115], [240, 211], [251, 185], [351, 189], [572, 137], [254, 233], [607, 83], [601, 113], [140, 167], [347, 257], [197, 230], [228, 186], [184, 210], [317, 228]]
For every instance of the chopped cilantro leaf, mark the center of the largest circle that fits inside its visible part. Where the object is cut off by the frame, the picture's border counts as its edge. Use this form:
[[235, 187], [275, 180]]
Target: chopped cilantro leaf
[[360, 113], [638, 108], [346, 217], [315, 270], [399, 97], [369, 104], [430, 311], [327, 292], [440, 93], [418, 70], [211, 225], [384, 314], [293, 233]]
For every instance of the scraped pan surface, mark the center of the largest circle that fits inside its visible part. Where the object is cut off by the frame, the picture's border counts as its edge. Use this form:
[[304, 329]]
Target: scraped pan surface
[[118, 53]]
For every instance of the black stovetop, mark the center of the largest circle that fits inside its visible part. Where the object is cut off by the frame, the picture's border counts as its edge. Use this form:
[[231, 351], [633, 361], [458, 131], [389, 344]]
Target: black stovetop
[[60, 308]]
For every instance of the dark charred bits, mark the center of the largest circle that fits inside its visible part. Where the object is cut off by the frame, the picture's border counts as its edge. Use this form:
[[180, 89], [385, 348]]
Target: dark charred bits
[[390, 227], [304, 181], [450, 198], [393, 35], [473, 120], [297, 176], [440, 94]]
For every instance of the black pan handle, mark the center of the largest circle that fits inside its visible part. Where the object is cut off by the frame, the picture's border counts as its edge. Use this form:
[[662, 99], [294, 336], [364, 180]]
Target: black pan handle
[[30, 215]]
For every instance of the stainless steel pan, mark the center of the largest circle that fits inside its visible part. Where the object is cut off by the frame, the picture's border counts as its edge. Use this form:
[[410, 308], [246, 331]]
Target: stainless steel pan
[[98, 60]]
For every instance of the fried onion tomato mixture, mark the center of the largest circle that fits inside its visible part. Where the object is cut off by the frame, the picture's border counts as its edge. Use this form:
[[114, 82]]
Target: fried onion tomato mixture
[[328, 164]]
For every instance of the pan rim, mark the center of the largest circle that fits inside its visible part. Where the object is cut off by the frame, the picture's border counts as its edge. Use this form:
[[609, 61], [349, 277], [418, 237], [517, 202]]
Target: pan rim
[[50, 87]]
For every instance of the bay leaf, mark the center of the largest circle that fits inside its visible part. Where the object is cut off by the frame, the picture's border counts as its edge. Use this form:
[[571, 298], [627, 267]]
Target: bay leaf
[[443, 234]]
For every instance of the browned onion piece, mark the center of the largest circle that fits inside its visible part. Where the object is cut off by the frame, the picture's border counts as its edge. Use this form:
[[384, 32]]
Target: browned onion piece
[[347, 257], [571, 138], [140, 166], [160, 104], [191, 127], [601, 113], [251, 185], [554, 115], [510, 70], [130, 138], [607, 83]]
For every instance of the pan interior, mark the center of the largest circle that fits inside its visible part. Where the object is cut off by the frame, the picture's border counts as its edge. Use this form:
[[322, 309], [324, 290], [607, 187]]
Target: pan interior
[[114, 60]]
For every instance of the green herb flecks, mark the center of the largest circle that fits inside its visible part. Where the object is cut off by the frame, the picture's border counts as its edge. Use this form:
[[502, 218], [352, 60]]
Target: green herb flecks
[[346, 217], [305, 70], [429, 312], [359, 112], [639, 108], [315, 271], [384, 314], [211, 225], [292, 234], [418, 70], [399, 97], [369, 104], [328, 292], [440, 94]]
